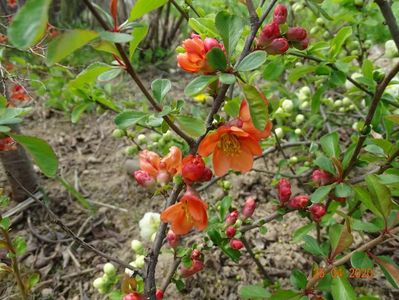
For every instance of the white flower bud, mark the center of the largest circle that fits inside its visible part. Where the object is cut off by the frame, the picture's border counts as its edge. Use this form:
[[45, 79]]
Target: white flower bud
[[352, 107], [293, 159], [279, 132], [355, 126], [137, 247], [346, 101], [303, 97], [341, 109], [305, 90], [338, 103], [298, 131], [139, 262], [141, 138], [279, 111], [305, 104], [98, 283], [287, 105], [149, 224], [390, 49], [299, 119], [109, 269]]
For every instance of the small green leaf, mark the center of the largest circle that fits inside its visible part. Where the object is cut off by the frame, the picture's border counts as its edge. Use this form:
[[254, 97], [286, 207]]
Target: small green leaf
[[160, 87], [230, 28], [89, 75], [29, 24], [129, 118], [232, 107], [339, 40], [115, 37], [227, 78], [253, 292], [274, 69], [252, 61], [78, 110], [364, 196], [68, 42], [389, 268], [360, 259], [302, 231], [42, 153], [325, 164], [321, 193], [138, 35], [5, 223], [300, 72], [342, 241], [298, 279], [199, 84], [380, 195], [224, 206], [342, 289], [109, 75], [141, 7], [343, 190], [191, 125], [286, 295], [330, 144], [257, 106], [19, 245], [33, 280], [312, 246], [217, 59]]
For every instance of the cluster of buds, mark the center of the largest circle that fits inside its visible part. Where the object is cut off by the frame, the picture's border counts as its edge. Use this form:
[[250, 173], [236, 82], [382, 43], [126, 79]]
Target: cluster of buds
[[298, 202], [193, 59], [105, 283], [275, 40], [7, 144], [321, 178], [196, 264], [18, 93]]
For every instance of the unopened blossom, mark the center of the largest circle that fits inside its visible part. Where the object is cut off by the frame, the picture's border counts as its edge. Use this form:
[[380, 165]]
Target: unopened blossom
[[284, 190], [278, 46], [236, 244], [144, 179], [317, 211], [230, 232], [12, 3], [194, 169], [188, 213], [196, 266], [196, 254], [298, 202], [280, 14], [172, 238], [232, 217], [7, 144], [149, 225], [302, 45], [321, 177], [159, 294], [268, 33], [134, 296], [249, 207], [18, 93], [296, 34]]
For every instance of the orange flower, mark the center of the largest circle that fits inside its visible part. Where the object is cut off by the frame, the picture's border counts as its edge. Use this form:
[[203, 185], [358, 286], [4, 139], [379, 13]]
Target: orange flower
[[232, 148], [172, 162], [149, 162], [249, 126], [188, 213]]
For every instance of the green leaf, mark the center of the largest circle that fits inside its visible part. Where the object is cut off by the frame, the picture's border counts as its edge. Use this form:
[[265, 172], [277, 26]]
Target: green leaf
[[78, 196], [78, 110], [344, 240], [232, 107], [312, 246], [89, 75], [5, 223], [364, 196], [380, 195], [217, 59], [129, 118], [42, 153], [257, 106], [160, 87], [330, 144], [109, 75], [339, 40], [230, 28], [342, 289], [302, 231], [138, 34], [224, 206], [191, 125], [360, 259], [389, 268], [105, 46], [227, 78], [19, 245], [325, 164], [321, 193], [203, 26], [393, 118], [300, 72], [274, 69], [286, 295], [29, 24], [199, 84], [141, 7], [115, 37], [298, 279], [316, 99], [253, 292], [68, 42], [252, 61], [33, 280], [343, 190]]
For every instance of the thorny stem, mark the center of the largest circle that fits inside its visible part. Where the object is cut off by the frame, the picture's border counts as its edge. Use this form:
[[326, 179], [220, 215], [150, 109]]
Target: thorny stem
[[15, 265]]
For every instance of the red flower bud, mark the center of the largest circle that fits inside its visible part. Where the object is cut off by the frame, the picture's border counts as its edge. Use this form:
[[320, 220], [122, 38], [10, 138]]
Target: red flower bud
[[163, 177], [270, 32], [317, 211], [196, 266], [144, 179], [302, 45], [284, 190], [194, 169], [296, 34], [298, 202], [232, 218], [340, 199], [133, 296], [210, 43], [195, 254], [321, 177], [249, 208], [172, 238], [7, 144], [230, 232], [280, 14], [159, 294], [278, 46], [236, 244]]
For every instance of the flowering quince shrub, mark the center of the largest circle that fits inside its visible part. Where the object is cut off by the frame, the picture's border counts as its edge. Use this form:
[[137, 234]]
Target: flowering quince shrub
[[269, 82]]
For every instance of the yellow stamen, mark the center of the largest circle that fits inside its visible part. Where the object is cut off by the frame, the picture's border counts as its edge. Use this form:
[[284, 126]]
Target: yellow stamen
[[230, 144]]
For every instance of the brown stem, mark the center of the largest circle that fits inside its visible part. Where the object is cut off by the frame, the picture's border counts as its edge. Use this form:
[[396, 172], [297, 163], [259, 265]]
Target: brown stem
[[374, 104], [58, 221], [15, 265], [371, 244], [170, 274], [192, 8], [183, 13], [248, 247], [390, 19]]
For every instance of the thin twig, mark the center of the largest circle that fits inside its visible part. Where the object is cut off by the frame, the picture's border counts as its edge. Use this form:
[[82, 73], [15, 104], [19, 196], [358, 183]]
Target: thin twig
[[170, 274], [390, 20], [248, 247]]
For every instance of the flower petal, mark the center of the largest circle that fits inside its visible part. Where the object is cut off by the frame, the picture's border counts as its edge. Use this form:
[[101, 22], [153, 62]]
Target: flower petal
[[221, 162], [208, 144], [242, 162], [250, 145]]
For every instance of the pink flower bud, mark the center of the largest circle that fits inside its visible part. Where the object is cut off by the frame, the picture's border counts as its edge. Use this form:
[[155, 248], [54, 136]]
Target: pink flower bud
[[298, 202], [133, 296], [195, 36], [236, 244], [278, 46], [163, 177], [249, 208], [340, 199], [302, 45], [230, 232], [317, 211], [296, 34], [207, 175], [196, 266], [144, 179], [321, 177], [172, 238], [270, 32], [284, 190], [211, 43], [159, 294], [280, 14], [195, 254], [232, 218]]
